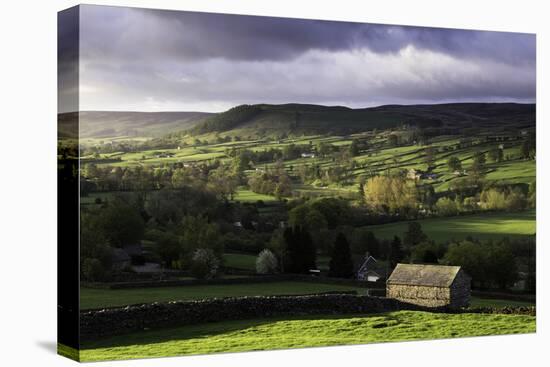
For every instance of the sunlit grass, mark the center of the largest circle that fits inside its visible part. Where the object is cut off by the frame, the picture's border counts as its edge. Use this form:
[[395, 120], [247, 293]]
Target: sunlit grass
[[300, 332]]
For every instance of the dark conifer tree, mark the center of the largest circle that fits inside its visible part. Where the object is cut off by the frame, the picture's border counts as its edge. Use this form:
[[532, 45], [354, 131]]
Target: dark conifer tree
[[341, 263], [299, 249], [396, 252]]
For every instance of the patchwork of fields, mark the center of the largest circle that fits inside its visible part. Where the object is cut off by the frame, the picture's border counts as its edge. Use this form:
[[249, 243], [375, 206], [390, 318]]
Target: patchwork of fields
[[373, 161]]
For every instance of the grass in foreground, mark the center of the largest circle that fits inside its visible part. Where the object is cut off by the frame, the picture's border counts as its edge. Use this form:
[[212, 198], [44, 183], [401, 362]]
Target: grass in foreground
[[98, 298], [66, 351], [480, 226], [300, 332]]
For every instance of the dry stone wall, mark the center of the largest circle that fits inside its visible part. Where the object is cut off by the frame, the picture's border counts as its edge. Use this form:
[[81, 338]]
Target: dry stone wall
[[98, 323]]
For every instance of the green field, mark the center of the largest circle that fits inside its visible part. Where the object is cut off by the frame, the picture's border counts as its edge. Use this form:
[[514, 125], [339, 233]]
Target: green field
[[481, 226], [245, 195], [240, 261], [98, 298], [300, 332]]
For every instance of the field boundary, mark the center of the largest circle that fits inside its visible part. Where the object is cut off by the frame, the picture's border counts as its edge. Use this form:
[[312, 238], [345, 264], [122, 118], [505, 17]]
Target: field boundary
[[113, 321], [244, 280]]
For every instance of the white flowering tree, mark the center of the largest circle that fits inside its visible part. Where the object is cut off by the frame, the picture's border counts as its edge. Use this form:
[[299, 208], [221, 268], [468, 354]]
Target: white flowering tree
[[266, 262]]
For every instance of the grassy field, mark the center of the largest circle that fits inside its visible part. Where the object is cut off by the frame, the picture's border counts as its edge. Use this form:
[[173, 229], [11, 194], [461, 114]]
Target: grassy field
[[97, 298], [300, 332], [245, 195], [240, 261], [482, 226]]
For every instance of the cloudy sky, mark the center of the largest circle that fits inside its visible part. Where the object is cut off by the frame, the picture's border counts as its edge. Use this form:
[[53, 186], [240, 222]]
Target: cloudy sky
[[152, 60]]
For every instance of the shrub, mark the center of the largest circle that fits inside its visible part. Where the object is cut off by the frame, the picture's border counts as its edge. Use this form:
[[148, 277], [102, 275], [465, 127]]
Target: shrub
[[204, 264], [446, 207], [92, 270], [266, 262]]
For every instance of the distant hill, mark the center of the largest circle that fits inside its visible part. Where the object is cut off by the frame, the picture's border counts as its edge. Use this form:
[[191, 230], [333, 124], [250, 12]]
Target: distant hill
[[305, 118], [266, 119], [110, 124]]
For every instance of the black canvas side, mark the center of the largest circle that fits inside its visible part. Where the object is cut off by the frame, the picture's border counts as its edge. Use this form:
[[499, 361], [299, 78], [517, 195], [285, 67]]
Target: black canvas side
[[68, 185]]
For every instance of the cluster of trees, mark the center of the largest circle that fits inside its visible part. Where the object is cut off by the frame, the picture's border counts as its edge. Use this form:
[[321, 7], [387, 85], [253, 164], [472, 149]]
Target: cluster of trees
[[390, 194], [490, 264], [503, 198], [271, 182]]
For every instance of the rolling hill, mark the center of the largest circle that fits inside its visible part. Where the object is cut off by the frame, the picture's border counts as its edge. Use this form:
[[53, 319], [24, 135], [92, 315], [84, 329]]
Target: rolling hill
[[316, 119], [268, 119], [111, 124]]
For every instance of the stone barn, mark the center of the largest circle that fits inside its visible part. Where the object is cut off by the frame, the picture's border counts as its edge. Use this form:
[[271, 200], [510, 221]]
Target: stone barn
[[429, 285]]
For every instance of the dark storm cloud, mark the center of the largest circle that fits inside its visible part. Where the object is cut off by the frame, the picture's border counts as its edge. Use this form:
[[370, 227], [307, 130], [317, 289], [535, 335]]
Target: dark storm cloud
[[67, 56], [166, 59]]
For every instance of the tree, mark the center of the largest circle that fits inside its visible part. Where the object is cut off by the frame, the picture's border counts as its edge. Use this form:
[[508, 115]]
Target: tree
[[395, 254], [364, 241], [414, 235], [454, 164], [196, 232], [354, 148], [120, 223], [492, 199], [393, 140], [478, 165], [528, 148], [299, 250], [266, 262], [496, 155], [390, 194], [470, 256], [168, 246], [204, 264], [427, 253], [446, 207], [501, 265], [429, 157], [341, 263], [223, 182]]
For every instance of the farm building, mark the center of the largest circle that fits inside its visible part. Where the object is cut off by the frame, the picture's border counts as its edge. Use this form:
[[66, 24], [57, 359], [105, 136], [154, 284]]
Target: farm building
[[429, 285], [370, 270]]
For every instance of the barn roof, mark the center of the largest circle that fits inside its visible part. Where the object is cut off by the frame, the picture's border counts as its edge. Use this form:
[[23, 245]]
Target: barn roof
[[423, 275]]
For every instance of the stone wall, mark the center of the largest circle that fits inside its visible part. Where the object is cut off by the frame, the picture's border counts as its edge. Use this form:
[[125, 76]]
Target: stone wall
[[420, 295], [98, 323]]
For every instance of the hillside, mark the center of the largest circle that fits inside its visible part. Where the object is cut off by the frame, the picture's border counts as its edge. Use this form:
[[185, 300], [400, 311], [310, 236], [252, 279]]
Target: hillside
[[265, 119], [110, 124]]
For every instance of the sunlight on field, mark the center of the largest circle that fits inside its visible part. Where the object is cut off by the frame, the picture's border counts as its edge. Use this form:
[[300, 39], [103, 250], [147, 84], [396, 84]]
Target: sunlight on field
[[300, 332]]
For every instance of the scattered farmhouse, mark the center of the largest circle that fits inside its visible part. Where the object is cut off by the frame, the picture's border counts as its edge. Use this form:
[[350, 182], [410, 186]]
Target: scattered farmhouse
[[308, 155], [429, 285], [164, 155], [371, 270], [416, 174]]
